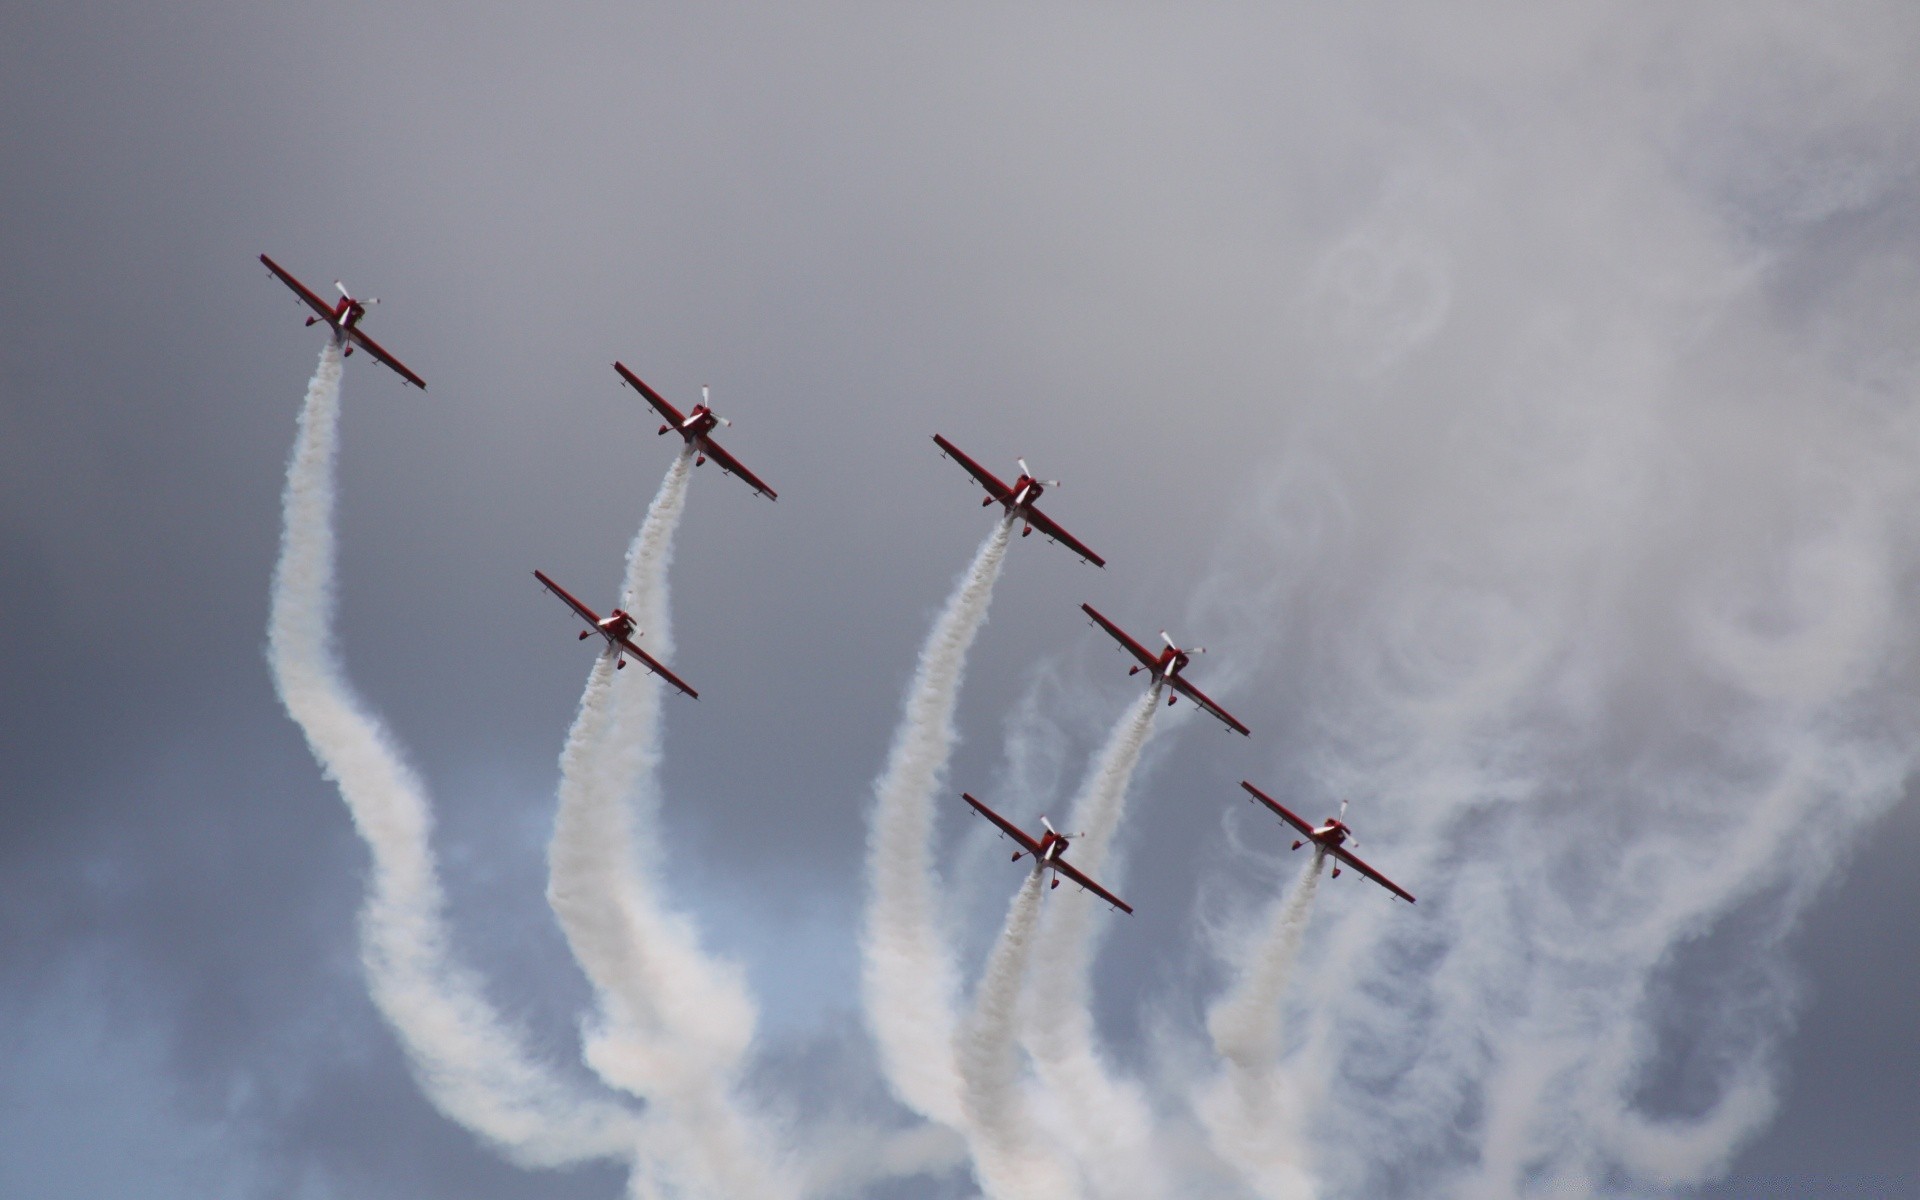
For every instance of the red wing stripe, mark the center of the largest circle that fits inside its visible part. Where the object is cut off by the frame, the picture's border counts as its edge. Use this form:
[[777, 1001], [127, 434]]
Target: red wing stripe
[[1007, 827], [1119, 635], [731, 464], [592, 617], [374, 348], [999, 491], [1048, 526], [654, 398], [1281, 810], [653, 664], [1199, 697], [1352, 860], [1074, 874], [299, 289]]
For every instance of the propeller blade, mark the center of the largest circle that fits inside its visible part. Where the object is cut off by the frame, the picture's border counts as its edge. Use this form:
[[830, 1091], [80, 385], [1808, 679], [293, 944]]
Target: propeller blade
[[343, 289]]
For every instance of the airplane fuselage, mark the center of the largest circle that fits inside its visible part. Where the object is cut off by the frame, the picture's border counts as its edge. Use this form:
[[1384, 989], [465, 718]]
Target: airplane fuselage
[[1026, 490], [1171, 663], [614, 627], [1053, 846], [346, 314], [699, 423], [1333, 833]]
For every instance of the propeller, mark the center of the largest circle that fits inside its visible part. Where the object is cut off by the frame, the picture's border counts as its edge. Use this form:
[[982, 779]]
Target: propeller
[[706, 402], [1028, 472], [370, 300], [1177, 648]]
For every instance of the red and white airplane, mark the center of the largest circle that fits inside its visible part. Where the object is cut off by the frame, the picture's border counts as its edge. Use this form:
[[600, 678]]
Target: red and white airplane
[[1166, 666], [344, 319], [1018, 500], [619, 630], [1048, 853], [1330, 838], [696, 427]]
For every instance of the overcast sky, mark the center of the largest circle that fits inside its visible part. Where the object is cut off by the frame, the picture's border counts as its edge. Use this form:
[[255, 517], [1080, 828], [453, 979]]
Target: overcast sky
[[1518, 401]]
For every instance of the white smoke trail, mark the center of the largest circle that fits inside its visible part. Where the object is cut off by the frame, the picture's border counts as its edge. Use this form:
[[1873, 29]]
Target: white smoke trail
[[470, 1063], [908, 974], [1110, 1124], [1009, 1161], [674, 1023], [847, 1160], [1251, 1115], [1615, 635]]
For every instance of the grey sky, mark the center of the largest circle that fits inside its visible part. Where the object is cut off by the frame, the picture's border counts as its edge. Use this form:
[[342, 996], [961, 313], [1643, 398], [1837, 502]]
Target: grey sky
[[1347, 334]]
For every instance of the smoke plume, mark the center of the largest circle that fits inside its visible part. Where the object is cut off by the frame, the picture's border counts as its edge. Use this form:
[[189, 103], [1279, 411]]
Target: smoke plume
[[1110, 1121], [470, 1062], [1251, 1114], [1010, 1161], [674, 1024], [908, 974]]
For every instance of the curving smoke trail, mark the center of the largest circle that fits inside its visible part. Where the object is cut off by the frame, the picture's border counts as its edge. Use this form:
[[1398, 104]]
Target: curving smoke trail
[[1009, 1161], [1110, 1122], [674, 1024], [1250, 1112], [1615, 638], [908, 975], [470, 1063]]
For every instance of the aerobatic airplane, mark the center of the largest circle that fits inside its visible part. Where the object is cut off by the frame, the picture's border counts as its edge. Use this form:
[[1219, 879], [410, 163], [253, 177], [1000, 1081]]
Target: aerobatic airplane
[[1166, 666], [1018, 500], [618, 628], [344, 319], [1048, 853], [695, 428], [1330, 838]]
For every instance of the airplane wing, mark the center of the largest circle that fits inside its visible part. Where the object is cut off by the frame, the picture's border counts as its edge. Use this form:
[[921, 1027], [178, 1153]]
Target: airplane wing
[[374, 348], [1348, 857], [1046, 525], [653, 664], [299, 289], [1280, 810], [999, 491], [1073, 873], [732, 465], [592, 618], [1007, 827], [654, 398], [1199, 697], [1119, 635]]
